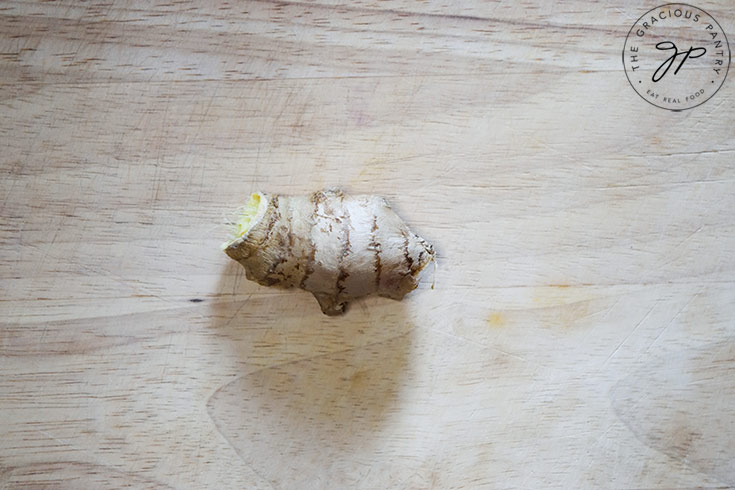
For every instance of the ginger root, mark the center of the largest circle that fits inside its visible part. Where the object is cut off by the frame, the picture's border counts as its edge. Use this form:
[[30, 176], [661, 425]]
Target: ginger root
[[337, 247]]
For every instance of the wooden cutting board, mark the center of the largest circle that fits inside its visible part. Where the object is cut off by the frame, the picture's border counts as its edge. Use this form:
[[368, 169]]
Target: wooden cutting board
[[581, 331]]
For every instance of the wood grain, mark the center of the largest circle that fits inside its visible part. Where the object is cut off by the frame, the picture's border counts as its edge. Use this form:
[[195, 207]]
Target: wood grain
[[581, 331]]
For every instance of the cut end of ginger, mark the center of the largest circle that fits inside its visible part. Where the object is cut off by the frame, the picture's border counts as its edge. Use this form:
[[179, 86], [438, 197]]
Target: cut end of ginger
[[247, 216]]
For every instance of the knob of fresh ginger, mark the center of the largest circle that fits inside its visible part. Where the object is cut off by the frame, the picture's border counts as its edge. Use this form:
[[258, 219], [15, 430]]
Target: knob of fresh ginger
[[336, 246]]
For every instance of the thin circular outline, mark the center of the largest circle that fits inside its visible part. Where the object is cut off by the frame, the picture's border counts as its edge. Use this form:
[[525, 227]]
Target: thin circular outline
[[729, 56]]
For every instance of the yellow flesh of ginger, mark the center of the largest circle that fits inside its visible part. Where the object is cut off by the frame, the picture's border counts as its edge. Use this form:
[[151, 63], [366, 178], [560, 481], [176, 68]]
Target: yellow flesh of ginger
[[247, 217]]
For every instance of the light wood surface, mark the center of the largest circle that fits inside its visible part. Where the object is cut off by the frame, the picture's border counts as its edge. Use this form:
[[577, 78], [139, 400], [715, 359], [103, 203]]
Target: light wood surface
[[581, 333]]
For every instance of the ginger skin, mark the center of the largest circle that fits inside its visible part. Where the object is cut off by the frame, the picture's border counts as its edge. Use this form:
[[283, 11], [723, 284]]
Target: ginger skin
[[337, 247]]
